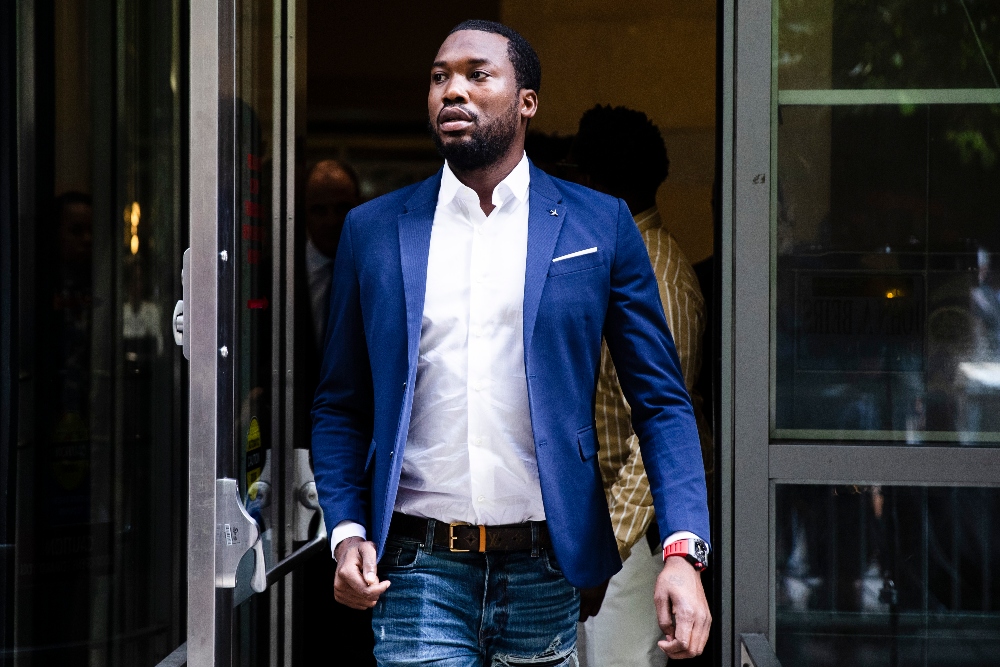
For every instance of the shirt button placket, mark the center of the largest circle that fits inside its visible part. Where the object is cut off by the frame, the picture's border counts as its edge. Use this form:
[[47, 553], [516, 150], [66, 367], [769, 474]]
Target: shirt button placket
[[478, 366]]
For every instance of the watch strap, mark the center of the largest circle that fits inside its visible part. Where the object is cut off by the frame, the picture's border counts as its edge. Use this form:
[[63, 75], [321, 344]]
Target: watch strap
[[685, 548]]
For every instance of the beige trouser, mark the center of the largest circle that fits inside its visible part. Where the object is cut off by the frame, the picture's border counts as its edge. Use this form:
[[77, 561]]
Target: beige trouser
[[625, 632]]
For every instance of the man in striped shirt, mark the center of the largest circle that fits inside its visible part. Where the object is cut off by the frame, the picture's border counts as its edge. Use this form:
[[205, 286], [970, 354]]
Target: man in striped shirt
[[621, 152]]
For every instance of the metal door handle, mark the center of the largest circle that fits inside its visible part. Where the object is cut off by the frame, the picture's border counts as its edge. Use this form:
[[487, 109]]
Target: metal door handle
[[179, 323], [308, 500], [303, 511], [236, 532]]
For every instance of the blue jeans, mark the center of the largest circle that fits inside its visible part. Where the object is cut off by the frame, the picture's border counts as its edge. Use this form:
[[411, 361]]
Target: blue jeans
[[497, 609]]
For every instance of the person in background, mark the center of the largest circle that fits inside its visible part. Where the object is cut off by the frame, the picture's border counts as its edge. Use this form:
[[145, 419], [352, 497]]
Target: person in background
[[331, 191], [619, 151]]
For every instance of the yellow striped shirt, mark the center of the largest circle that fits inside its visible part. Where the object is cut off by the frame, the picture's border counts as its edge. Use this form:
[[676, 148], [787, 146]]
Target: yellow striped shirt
[[625, 483]]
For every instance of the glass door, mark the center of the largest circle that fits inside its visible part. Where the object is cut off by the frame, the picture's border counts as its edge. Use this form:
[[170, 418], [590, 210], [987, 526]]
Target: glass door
[[253, 516], [231, 318], [866, 355], [93, 398]]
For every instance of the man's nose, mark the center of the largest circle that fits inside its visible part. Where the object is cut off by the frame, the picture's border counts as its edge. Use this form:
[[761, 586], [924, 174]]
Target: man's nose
[[455, 91]]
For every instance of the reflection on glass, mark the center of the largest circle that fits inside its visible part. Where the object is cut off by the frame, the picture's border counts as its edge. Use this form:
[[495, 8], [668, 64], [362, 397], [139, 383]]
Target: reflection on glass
[[888, 44], [886, 576], [250, 238], [887, 320], [99, 501]]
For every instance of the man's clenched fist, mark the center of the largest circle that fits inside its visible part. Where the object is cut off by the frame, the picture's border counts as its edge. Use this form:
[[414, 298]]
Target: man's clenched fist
[[681, 609], [356, 584]]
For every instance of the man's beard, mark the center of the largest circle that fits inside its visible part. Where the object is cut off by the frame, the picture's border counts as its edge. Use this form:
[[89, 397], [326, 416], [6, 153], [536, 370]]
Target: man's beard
[[485, 146]]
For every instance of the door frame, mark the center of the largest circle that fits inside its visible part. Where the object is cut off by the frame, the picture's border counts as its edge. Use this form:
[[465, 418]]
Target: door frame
[[201, 325]]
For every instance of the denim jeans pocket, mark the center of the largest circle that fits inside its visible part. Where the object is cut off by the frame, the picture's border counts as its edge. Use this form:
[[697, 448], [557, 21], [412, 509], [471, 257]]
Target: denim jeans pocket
[[400, 555], [551, 563]]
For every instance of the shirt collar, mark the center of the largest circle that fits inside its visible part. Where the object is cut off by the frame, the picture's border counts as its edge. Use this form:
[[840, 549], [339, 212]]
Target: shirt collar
[[515, 184], [648, 219]]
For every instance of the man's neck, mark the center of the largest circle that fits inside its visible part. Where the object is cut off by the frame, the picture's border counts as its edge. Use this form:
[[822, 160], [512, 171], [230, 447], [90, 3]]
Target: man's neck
[[485, 179]]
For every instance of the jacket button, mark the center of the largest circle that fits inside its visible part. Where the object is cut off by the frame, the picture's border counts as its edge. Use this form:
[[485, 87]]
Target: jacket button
[[392, 453]]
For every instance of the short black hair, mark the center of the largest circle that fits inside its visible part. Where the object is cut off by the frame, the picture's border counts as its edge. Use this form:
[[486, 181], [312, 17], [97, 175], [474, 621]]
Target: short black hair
[[527, 66], [621, 149]]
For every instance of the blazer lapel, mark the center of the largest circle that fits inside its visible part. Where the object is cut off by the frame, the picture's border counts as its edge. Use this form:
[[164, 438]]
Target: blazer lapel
[[545, 220], [415, 224]]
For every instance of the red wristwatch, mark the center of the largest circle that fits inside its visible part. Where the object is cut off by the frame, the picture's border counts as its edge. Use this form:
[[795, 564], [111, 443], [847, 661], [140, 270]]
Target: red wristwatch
[[691, 548]]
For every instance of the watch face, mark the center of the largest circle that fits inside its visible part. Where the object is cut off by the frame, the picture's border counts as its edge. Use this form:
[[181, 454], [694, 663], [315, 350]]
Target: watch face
[[701, 551]]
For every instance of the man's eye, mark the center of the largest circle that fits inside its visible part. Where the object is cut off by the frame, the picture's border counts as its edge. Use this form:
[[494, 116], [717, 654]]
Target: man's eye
[[438, 77], [478, 75]]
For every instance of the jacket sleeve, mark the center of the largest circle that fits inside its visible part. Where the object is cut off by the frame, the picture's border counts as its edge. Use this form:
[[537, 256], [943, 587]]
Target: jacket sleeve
[[343, 407], [649, 372]]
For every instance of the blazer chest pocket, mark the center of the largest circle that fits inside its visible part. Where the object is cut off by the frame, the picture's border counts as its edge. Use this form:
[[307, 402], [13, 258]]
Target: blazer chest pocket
[[591, 260], [587, 441]]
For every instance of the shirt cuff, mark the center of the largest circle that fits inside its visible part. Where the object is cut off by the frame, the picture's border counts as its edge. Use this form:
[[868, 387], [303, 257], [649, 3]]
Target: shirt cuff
[[679, 535], [344, 530]]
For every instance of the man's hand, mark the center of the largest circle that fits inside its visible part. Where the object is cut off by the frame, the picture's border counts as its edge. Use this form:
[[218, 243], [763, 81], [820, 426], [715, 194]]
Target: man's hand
[[681, 609], [591, 600], [355, 583]]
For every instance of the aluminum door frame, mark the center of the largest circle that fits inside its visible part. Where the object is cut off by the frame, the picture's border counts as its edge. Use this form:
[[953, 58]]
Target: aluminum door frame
[[201, 323], [748, 248], [723, 557]]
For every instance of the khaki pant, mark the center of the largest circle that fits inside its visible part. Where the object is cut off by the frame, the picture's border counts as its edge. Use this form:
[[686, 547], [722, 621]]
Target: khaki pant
[[624, 633]]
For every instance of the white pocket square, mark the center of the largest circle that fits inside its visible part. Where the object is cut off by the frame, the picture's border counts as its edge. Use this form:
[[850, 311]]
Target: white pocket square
[[576, 254]]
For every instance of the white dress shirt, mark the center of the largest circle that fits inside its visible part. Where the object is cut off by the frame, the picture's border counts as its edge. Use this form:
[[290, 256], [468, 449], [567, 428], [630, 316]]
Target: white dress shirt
[[319, 269]]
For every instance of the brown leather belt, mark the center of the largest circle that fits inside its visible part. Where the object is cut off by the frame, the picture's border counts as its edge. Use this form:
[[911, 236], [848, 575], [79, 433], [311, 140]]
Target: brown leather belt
[[462, 537]]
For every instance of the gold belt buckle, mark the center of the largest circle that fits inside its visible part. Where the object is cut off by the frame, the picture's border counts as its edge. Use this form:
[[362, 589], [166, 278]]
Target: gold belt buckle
[[452, 538]]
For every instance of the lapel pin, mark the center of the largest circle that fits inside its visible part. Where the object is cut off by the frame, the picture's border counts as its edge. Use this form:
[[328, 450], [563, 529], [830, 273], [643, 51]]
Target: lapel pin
[[553, 212]]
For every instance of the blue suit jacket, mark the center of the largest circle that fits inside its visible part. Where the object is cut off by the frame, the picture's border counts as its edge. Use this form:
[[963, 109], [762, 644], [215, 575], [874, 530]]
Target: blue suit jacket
[[361, 413]]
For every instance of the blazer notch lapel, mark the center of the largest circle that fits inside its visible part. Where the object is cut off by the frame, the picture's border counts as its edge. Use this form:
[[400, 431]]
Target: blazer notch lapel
[[414, 247], [414, 225], [545, 221]]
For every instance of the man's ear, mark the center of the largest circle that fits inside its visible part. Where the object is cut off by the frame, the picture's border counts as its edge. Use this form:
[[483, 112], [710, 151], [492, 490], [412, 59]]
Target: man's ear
[[529, 103]]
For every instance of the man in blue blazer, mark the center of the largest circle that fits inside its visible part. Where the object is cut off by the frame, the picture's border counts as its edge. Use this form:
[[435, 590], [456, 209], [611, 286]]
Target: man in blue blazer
[[453, 426]]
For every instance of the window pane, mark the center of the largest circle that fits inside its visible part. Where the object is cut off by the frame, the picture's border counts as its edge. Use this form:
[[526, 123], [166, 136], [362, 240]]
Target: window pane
[[869, 575], [254, 300], [888, 44], [887, 319]]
